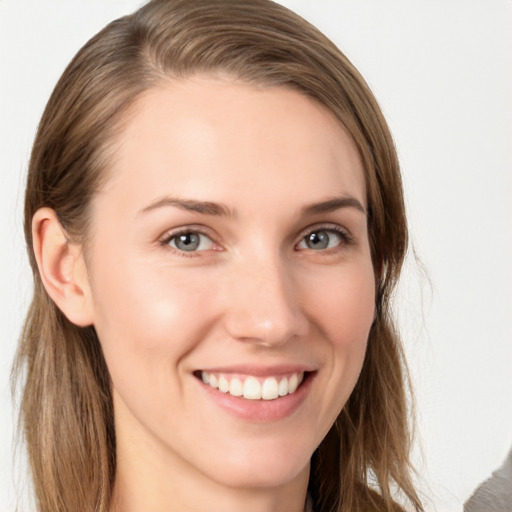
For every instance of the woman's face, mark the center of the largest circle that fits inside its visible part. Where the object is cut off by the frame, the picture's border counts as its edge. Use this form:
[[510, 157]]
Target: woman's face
[[230, 246]]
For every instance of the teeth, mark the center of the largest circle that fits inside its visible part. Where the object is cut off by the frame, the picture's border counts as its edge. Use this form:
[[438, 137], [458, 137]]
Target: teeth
[[269, 390], [236, 388], [293, 383], [223, 384], [252, 388], [283, 387]]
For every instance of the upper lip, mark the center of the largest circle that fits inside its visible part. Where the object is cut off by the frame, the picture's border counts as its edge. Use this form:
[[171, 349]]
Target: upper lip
[[261, 370]]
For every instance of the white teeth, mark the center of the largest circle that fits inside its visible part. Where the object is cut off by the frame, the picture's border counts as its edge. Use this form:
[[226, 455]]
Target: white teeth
[[269, 390], [252, 389], [236, 387], [293, 383], [223, 384], [283, 387]]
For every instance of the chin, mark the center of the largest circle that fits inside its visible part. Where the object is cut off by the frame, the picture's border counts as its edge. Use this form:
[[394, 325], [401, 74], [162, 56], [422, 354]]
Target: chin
[[261, 468], [253, 478]]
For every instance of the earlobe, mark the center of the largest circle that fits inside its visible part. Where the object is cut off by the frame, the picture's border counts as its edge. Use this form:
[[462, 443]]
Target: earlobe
[[62, 268]]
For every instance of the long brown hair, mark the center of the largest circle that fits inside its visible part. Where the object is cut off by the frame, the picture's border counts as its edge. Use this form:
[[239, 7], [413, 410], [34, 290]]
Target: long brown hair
[[66, 409]]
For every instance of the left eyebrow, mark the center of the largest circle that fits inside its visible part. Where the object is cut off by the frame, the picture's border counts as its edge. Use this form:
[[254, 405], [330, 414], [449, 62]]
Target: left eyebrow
[[334, 204]]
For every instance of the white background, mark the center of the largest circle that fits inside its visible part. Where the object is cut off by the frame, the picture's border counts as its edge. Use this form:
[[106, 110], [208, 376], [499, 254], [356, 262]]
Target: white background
[[442, 71]]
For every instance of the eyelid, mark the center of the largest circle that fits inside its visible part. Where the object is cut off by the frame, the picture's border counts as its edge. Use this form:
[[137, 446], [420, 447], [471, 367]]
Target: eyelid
[[343, 232], [168, 235]]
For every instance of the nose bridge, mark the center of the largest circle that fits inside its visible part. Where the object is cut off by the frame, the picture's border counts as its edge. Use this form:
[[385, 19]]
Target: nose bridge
[[265, 306]]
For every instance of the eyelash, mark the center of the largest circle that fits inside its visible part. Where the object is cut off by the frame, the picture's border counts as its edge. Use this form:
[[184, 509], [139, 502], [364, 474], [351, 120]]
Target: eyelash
[[346, 239], [165, 241]]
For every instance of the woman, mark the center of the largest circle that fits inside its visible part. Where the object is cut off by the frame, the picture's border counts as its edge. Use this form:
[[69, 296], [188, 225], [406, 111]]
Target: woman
[[215, 220]]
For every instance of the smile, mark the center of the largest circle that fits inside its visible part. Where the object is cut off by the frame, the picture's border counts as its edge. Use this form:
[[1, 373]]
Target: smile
[[252, 387]]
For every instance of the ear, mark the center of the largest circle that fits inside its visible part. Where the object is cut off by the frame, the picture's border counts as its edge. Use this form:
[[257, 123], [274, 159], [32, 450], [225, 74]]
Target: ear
[[62, 268]]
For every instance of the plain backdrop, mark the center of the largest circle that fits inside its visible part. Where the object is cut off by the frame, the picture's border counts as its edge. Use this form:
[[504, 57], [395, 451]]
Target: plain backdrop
[[442, 72]]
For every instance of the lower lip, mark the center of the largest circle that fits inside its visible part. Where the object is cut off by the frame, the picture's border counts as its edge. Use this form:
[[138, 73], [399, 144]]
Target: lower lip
[[261, 410]]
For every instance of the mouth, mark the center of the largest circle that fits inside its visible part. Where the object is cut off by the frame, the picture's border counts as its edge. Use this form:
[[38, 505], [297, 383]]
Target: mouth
[[258, 394], [251, 387]]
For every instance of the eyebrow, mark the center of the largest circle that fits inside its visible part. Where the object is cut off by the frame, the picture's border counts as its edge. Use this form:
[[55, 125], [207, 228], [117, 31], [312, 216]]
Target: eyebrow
[[191, 205], [346, 201], [218, 209]]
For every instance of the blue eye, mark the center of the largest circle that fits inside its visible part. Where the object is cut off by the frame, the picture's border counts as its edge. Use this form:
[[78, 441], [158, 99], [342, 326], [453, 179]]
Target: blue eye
[[190, 241], [322, 239]]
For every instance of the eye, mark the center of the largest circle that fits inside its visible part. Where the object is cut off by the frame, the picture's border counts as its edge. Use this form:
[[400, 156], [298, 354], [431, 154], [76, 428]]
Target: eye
[[190, 241], [322, 239]]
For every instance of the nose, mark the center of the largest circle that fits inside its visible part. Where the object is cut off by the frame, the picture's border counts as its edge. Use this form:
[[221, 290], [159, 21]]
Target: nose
[[263, 303]]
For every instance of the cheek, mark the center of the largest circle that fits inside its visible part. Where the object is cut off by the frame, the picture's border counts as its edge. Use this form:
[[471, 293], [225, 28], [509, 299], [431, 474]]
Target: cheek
[[147, 321], [146, 312], [343, 304]]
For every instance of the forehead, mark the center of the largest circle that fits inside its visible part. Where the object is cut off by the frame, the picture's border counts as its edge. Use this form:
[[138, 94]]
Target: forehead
[[205, 137]]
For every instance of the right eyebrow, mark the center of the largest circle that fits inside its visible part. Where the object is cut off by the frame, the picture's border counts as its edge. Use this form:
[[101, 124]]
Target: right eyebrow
[[192, 205]]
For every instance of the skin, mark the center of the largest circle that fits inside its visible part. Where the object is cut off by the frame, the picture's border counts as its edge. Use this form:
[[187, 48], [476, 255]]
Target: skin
[[254, 294]]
